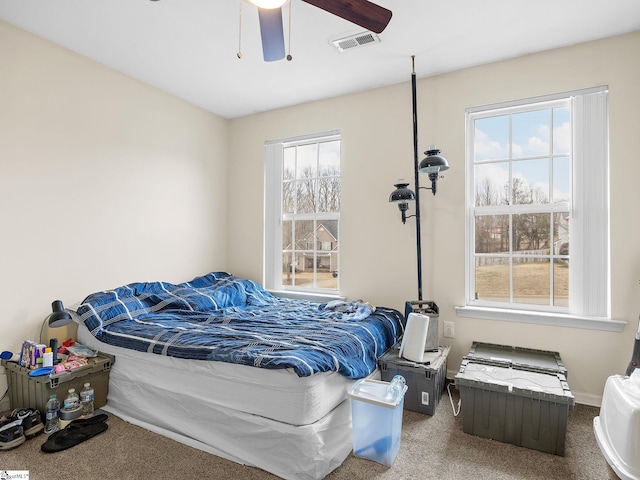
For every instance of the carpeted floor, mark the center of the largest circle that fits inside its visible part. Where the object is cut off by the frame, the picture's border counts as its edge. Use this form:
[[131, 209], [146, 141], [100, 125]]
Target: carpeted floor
[[432, 447]]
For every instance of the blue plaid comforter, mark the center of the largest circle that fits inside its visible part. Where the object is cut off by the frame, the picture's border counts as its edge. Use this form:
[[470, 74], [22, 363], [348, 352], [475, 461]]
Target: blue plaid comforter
[[224, 318]]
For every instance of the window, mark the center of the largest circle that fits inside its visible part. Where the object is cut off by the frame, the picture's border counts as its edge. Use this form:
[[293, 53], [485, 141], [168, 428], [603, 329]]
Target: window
[[302, 214], [537, 208]]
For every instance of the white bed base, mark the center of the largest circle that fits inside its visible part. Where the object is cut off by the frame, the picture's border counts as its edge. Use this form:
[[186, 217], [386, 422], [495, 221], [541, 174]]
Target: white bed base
[[296, 452]]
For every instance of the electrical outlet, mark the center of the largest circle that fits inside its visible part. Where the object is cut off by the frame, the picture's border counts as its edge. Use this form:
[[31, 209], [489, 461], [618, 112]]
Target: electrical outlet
[[448, 330]]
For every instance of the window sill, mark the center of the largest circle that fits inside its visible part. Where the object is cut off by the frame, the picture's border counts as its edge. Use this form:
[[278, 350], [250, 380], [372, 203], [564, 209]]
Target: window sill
[[541, 318], [311, 296]]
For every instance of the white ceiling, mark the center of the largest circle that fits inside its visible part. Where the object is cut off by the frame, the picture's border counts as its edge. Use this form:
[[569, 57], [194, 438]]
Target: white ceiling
[[188, 47]]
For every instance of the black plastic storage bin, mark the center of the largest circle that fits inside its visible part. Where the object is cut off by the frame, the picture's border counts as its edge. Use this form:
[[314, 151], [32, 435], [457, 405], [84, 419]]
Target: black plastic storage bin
[[425, 381], [515, 400]]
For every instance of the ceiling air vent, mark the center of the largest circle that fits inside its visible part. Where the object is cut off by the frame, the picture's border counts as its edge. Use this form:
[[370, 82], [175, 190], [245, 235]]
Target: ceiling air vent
[[358, 40]]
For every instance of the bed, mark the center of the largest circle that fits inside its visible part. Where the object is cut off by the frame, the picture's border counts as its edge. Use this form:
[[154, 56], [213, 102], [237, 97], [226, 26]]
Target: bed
[[222, 365]]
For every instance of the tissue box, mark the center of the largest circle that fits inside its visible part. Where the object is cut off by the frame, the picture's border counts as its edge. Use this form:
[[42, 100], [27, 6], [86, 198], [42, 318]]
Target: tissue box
[[31, 354]]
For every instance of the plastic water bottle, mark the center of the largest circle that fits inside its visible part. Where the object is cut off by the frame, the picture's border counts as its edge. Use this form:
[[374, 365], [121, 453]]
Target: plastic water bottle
[[396, 387], [86, 400], [52, 420], [72, 401]]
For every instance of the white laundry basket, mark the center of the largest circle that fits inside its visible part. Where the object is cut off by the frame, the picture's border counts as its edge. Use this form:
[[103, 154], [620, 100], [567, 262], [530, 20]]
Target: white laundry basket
[[617, 428]]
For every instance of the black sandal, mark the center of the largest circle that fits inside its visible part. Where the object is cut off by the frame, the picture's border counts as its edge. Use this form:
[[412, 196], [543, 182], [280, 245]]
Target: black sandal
[[72, 435]]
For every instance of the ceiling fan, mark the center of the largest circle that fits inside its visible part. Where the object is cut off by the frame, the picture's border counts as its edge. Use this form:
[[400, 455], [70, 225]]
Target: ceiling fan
[[364, 13], [361, 12]]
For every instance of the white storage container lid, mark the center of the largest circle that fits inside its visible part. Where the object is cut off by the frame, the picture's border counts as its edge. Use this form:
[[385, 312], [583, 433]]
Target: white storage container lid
[[516, 381], [374, 391]]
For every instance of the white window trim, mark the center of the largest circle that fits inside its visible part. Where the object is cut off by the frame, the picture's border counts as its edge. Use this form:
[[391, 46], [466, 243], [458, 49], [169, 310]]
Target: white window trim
[[590, 277], [272, 251], [541, 318]]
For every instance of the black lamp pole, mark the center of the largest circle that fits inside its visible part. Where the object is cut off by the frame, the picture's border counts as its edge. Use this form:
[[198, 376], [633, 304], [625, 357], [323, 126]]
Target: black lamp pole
[[432, 165], [417, 180]]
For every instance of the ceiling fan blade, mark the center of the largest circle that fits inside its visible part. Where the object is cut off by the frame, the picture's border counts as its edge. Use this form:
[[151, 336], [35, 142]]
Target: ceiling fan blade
[[361, 12], [272, 33]]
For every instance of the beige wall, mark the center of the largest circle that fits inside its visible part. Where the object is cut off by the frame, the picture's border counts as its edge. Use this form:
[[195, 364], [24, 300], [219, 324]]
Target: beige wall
[[377, 150], [103, 181]]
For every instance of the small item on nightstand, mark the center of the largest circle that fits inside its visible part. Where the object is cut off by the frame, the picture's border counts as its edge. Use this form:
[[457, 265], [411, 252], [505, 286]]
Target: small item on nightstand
[[53, 410], [53, 344], [47, 358], [86, 400], [10, 356], [72, 401]]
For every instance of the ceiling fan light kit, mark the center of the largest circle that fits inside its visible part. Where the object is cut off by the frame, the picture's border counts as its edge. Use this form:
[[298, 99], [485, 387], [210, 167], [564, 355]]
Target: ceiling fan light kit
[[268, 3]]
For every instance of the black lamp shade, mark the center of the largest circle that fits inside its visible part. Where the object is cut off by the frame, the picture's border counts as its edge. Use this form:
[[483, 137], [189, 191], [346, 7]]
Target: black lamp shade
[[60, 317], [433, 163], [401, 193]]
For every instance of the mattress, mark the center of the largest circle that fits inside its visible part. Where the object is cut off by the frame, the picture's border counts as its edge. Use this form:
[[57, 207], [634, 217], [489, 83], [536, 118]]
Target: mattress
[[280, 395], [228, 416], [219, 317]]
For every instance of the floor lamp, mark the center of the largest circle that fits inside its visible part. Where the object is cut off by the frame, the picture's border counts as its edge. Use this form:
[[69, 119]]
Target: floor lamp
[[432, 165]]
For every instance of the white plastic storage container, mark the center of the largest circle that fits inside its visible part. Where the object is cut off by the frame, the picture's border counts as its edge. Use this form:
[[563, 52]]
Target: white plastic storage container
[[617, 428], [376, 420]]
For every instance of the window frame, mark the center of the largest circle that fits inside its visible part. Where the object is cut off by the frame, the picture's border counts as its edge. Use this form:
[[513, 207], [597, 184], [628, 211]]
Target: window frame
[[273, 219], [589, 282]]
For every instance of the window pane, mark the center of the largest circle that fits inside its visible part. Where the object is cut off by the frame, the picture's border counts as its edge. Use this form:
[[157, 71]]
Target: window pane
[[289, 163], [304, 270], [561, 130], [307, 161], [561, 282], [491, 138], [492, 279], [492, 234], [305, 197], [531, 233], [304, 235], [531, 181], [561, 233], [561, 179], [328, 194], [288, 269], [329, 158], [531, 133], [491, 180], [327, 278], [328, 235], [287, 235], [531, 280], [288, 197]]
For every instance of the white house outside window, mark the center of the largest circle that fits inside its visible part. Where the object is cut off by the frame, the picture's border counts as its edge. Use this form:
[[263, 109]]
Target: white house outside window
[[538, 211], [302, 214]]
